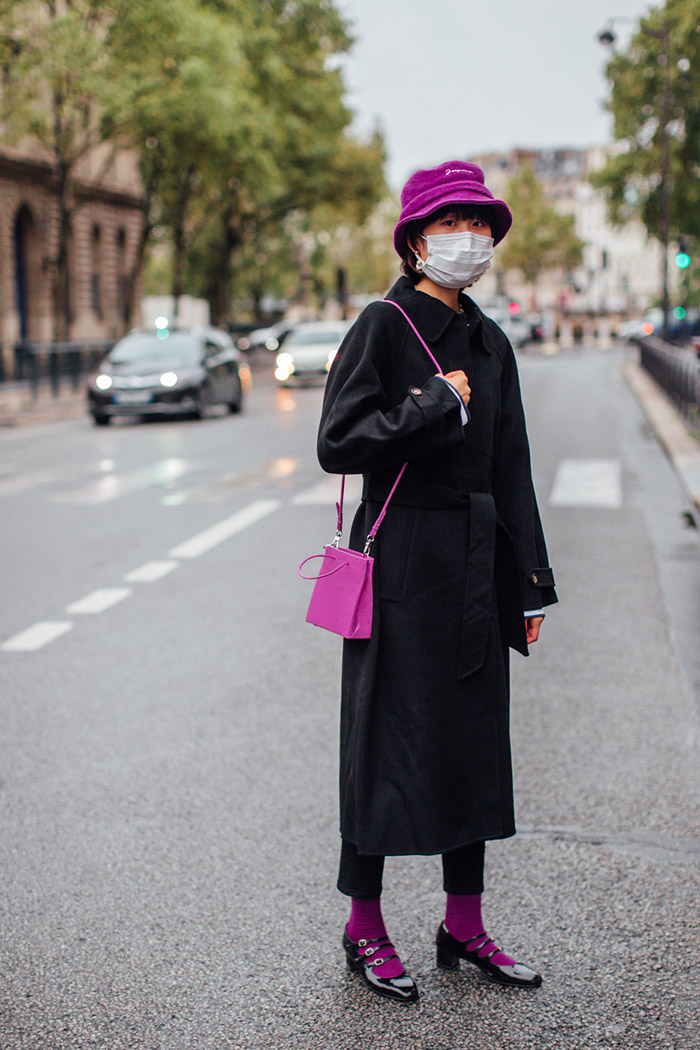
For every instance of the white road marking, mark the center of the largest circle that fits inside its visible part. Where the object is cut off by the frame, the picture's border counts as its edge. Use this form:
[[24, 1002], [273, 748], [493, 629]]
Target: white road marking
[[211, 537], [34, 479], [328, 490], [111, 485], [100, 600], [150, 572], [225, 485], [588, 483], [37, 636]]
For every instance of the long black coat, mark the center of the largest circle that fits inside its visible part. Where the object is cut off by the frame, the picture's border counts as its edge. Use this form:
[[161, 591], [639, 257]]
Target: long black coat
[[425, 761]]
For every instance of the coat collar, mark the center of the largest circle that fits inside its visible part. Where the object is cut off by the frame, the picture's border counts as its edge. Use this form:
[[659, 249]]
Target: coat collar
[[432, 317]]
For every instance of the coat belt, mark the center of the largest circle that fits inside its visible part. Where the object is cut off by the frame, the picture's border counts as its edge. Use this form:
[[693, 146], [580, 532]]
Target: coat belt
[[479, 591]]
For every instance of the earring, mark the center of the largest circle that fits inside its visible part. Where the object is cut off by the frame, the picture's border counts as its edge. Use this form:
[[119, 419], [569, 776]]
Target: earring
[[419, 263]]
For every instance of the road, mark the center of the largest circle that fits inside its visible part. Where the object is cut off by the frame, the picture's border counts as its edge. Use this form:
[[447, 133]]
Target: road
[[168, 753]]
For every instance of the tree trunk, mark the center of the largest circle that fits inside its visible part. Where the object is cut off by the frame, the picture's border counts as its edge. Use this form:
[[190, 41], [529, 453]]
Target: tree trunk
[[219, 284], [180, 240]]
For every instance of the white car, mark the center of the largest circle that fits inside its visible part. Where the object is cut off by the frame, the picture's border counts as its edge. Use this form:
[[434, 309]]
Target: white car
[[309, 351]]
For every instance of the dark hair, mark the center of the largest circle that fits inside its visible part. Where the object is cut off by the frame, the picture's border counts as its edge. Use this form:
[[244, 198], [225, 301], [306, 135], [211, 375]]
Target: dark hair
[[415, 229]]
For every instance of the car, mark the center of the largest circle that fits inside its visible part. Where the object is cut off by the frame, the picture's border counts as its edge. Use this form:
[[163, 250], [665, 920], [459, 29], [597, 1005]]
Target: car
[[270, 338], [168, 371], [309, 351], [516, 327]]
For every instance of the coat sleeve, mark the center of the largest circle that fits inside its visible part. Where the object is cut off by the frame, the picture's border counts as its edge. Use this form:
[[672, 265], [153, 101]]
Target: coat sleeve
[[361, 430], [514, 492]]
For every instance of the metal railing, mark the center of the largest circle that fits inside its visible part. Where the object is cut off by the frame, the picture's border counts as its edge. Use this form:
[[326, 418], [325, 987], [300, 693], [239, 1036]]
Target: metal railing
[[52, 365], [677, 371]]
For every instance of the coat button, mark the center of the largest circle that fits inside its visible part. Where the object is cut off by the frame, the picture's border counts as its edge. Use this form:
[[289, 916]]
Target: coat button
[[416, 390], [534, 578]]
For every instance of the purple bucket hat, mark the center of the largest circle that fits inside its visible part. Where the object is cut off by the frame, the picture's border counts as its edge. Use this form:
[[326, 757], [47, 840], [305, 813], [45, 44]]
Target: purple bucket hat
[[454, 182]]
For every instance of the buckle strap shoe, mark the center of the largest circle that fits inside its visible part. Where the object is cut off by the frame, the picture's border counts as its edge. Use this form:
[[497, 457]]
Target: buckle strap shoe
[[365, 956], [450, 951]]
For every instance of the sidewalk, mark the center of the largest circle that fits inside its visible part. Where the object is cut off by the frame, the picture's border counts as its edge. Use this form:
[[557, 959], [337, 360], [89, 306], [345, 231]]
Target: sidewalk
[[19, 408], [680, 447]]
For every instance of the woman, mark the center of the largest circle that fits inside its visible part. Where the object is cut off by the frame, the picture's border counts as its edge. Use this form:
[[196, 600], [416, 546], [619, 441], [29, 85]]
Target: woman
[[460, 575]]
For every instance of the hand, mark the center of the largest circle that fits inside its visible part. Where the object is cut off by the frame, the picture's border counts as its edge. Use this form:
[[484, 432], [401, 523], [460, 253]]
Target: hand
[[532, 627], [461, 383]]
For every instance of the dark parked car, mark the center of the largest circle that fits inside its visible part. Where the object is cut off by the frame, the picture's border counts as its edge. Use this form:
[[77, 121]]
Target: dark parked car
[[168, 372]]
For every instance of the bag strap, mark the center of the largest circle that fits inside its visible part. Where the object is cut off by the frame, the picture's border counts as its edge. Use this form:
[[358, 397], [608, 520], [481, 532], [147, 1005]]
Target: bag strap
[[420, 338], [380, 518]]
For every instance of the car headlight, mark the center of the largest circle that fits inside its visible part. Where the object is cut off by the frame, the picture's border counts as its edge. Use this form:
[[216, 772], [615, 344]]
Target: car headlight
[[169, 379], [285, 360], [272, 343], [103, 381]]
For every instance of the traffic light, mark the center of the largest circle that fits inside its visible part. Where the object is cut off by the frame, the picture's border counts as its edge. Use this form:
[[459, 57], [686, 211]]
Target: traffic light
[[682, 259]]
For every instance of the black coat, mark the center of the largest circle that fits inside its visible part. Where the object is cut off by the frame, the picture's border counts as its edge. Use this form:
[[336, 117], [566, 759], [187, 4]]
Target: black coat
[[425, 761]]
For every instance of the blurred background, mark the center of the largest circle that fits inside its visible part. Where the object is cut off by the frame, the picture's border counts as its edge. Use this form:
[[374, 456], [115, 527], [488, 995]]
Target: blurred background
[[239, 162]]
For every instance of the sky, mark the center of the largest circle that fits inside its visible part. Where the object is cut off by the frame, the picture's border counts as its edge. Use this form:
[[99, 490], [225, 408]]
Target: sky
[[448, 79]]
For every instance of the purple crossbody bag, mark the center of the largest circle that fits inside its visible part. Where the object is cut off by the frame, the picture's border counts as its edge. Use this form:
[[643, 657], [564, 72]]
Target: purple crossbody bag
[[342, 599]]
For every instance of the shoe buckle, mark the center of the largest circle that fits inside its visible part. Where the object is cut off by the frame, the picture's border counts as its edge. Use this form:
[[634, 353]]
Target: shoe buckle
[[370, 951], [361, 944]]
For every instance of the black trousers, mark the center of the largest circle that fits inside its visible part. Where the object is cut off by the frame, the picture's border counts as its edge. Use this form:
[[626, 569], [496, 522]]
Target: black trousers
[[360, 875]]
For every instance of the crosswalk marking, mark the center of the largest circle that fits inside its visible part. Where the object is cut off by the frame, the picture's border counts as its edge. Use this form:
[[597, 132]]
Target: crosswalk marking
[[211, 537], [37, 636], [99, 601], [588, 483]]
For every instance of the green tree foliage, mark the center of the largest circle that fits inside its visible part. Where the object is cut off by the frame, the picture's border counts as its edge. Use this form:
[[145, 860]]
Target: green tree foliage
[[541, 238], [54, 63], [263, 210], [235, 108], [655, 95]]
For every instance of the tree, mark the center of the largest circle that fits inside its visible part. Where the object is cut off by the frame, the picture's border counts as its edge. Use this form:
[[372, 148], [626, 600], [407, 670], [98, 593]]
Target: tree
[[183, 95], [54, 67], [655, 102], [307, 161], [541, 238]]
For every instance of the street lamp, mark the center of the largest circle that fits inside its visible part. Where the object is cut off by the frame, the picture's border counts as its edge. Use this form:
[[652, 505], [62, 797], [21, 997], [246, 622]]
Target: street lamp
[[607, 38]]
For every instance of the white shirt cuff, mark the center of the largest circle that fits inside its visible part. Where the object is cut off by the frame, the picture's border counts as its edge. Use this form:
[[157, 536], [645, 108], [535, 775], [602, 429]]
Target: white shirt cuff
[[464, 411]]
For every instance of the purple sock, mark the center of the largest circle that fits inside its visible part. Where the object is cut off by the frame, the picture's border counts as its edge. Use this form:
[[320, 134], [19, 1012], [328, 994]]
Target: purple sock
[[366, 923], [463, 920]]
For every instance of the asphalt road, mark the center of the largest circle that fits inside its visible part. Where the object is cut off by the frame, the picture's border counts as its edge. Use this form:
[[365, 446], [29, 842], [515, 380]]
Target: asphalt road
[[168, 747]]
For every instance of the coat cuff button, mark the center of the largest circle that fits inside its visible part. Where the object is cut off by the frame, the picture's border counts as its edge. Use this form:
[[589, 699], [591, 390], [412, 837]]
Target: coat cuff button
[[534, 578], [416, 390]]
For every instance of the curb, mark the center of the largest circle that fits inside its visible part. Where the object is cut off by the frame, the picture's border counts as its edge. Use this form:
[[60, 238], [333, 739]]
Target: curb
[[680, 447]]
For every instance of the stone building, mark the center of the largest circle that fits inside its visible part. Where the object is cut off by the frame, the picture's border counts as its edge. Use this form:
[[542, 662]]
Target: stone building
[[105, 228], [621, 270]]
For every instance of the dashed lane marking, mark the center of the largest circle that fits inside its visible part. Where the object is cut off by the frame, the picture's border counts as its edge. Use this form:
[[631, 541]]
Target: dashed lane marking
[[37, 636], [588, 483], [99, 601], [212, 537], [150, 572]]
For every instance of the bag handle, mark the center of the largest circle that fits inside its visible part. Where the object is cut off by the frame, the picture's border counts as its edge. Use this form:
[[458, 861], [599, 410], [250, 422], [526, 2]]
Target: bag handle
[[380, 518], [323, 575]]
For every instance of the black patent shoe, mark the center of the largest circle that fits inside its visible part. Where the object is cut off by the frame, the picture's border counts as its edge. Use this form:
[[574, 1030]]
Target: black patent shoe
[[450, 951], [402, 988]]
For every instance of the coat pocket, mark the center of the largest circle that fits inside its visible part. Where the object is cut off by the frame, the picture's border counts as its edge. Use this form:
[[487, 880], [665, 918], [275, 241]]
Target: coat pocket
[[392, 552]]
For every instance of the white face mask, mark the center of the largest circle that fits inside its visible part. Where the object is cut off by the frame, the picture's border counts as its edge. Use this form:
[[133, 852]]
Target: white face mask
[[456, 260]]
